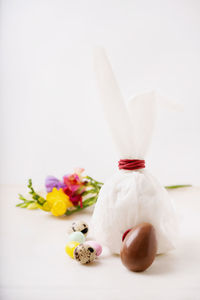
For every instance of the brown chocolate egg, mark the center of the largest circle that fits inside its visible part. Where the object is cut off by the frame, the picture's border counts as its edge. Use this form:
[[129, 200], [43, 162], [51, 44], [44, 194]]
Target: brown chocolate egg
[[139, 247]]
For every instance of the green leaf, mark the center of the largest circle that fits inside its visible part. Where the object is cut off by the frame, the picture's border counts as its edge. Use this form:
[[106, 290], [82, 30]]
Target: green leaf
[[22, 198], [36, 199], [32, 205], [22, 205], [177, 186]]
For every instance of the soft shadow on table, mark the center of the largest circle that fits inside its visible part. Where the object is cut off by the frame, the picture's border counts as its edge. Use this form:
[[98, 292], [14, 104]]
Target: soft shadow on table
[[163, 264], [71, 217], [94, 264]]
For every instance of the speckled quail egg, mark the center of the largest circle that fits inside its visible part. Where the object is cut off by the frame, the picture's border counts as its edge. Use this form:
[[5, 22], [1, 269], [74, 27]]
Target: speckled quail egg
[[80, 226], [84, 253]]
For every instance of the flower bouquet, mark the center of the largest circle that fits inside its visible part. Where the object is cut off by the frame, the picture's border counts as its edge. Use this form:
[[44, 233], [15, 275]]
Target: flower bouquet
[[74, 193]]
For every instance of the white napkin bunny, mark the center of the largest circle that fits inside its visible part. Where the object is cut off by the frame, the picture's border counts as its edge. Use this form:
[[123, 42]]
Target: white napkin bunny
[[130, 197]]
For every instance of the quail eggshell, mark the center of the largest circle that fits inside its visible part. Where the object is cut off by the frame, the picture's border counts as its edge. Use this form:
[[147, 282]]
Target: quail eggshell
[[84, 253], [80, 226], [76, 237], [139, 247], [96, 246]]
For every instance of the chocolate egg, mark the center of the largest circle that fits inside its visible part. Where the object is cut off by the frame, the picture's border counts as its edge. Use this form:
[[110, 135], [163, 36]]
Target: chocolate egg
[[139, 247]]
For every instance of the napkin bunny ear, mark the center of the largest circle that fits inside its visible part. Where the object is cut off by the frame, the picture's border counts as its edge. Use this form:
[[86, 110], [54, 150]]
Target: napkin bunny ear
[[142, 111], [131, 127], [113, 105]]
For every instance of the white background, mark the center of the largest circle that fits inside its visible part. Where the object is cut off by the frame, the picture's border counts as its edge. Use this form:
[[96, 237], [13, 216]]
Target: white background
[[51, 119]]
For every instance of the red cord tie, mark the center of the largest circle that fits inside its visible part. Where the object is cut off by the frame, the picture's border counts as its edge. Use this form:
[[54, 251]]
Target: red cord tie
[[131, 164]]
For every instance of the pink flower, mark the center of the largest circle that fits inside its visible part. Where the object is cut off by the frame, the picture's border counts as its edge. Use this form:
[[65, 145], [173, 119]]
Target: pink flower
[[72, 182], [76, 199], [74, 187]]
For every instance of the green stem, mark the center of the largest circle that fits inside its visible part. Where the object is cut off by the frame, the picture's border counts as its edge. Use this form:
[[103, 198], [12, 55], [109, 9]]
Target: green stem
[[92, 191], [86, 204], [177, 186], [93, 181], [25, 204], [35, 197], [22, 198]]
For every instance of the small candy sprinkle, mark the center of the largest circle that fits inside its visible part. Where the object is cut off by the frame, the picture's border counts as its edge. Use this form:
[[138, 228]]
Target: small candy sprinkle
[[70, 247], [76, 237]]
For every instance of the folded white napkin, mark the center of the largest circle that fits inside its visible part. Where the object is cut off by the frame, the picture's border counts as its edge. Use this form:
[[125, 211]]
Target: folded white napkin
[[130, 197]]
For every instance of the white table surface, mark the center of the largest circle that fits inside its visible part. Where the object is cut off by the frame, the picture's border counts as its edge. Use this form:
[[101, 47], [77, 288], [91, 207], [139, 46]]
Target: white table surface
[[34, 264]]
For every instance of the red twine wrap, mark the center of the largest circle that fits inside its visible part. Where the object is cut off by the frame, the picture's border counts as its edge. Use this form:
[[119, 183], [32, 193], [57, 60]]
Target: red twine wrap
[[131, 164]]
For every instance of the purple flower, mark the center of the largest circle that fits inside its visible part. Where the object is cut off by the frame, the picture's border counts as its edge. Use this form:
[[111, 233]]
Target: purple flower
[[52, 182]]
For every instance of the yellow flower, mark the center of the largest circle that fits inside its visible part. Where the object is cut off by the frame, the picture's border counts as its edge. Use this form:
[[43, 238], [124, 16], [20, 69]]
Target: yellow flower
[[46, 206], [58, 202], [59, 208], [58, 195]]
